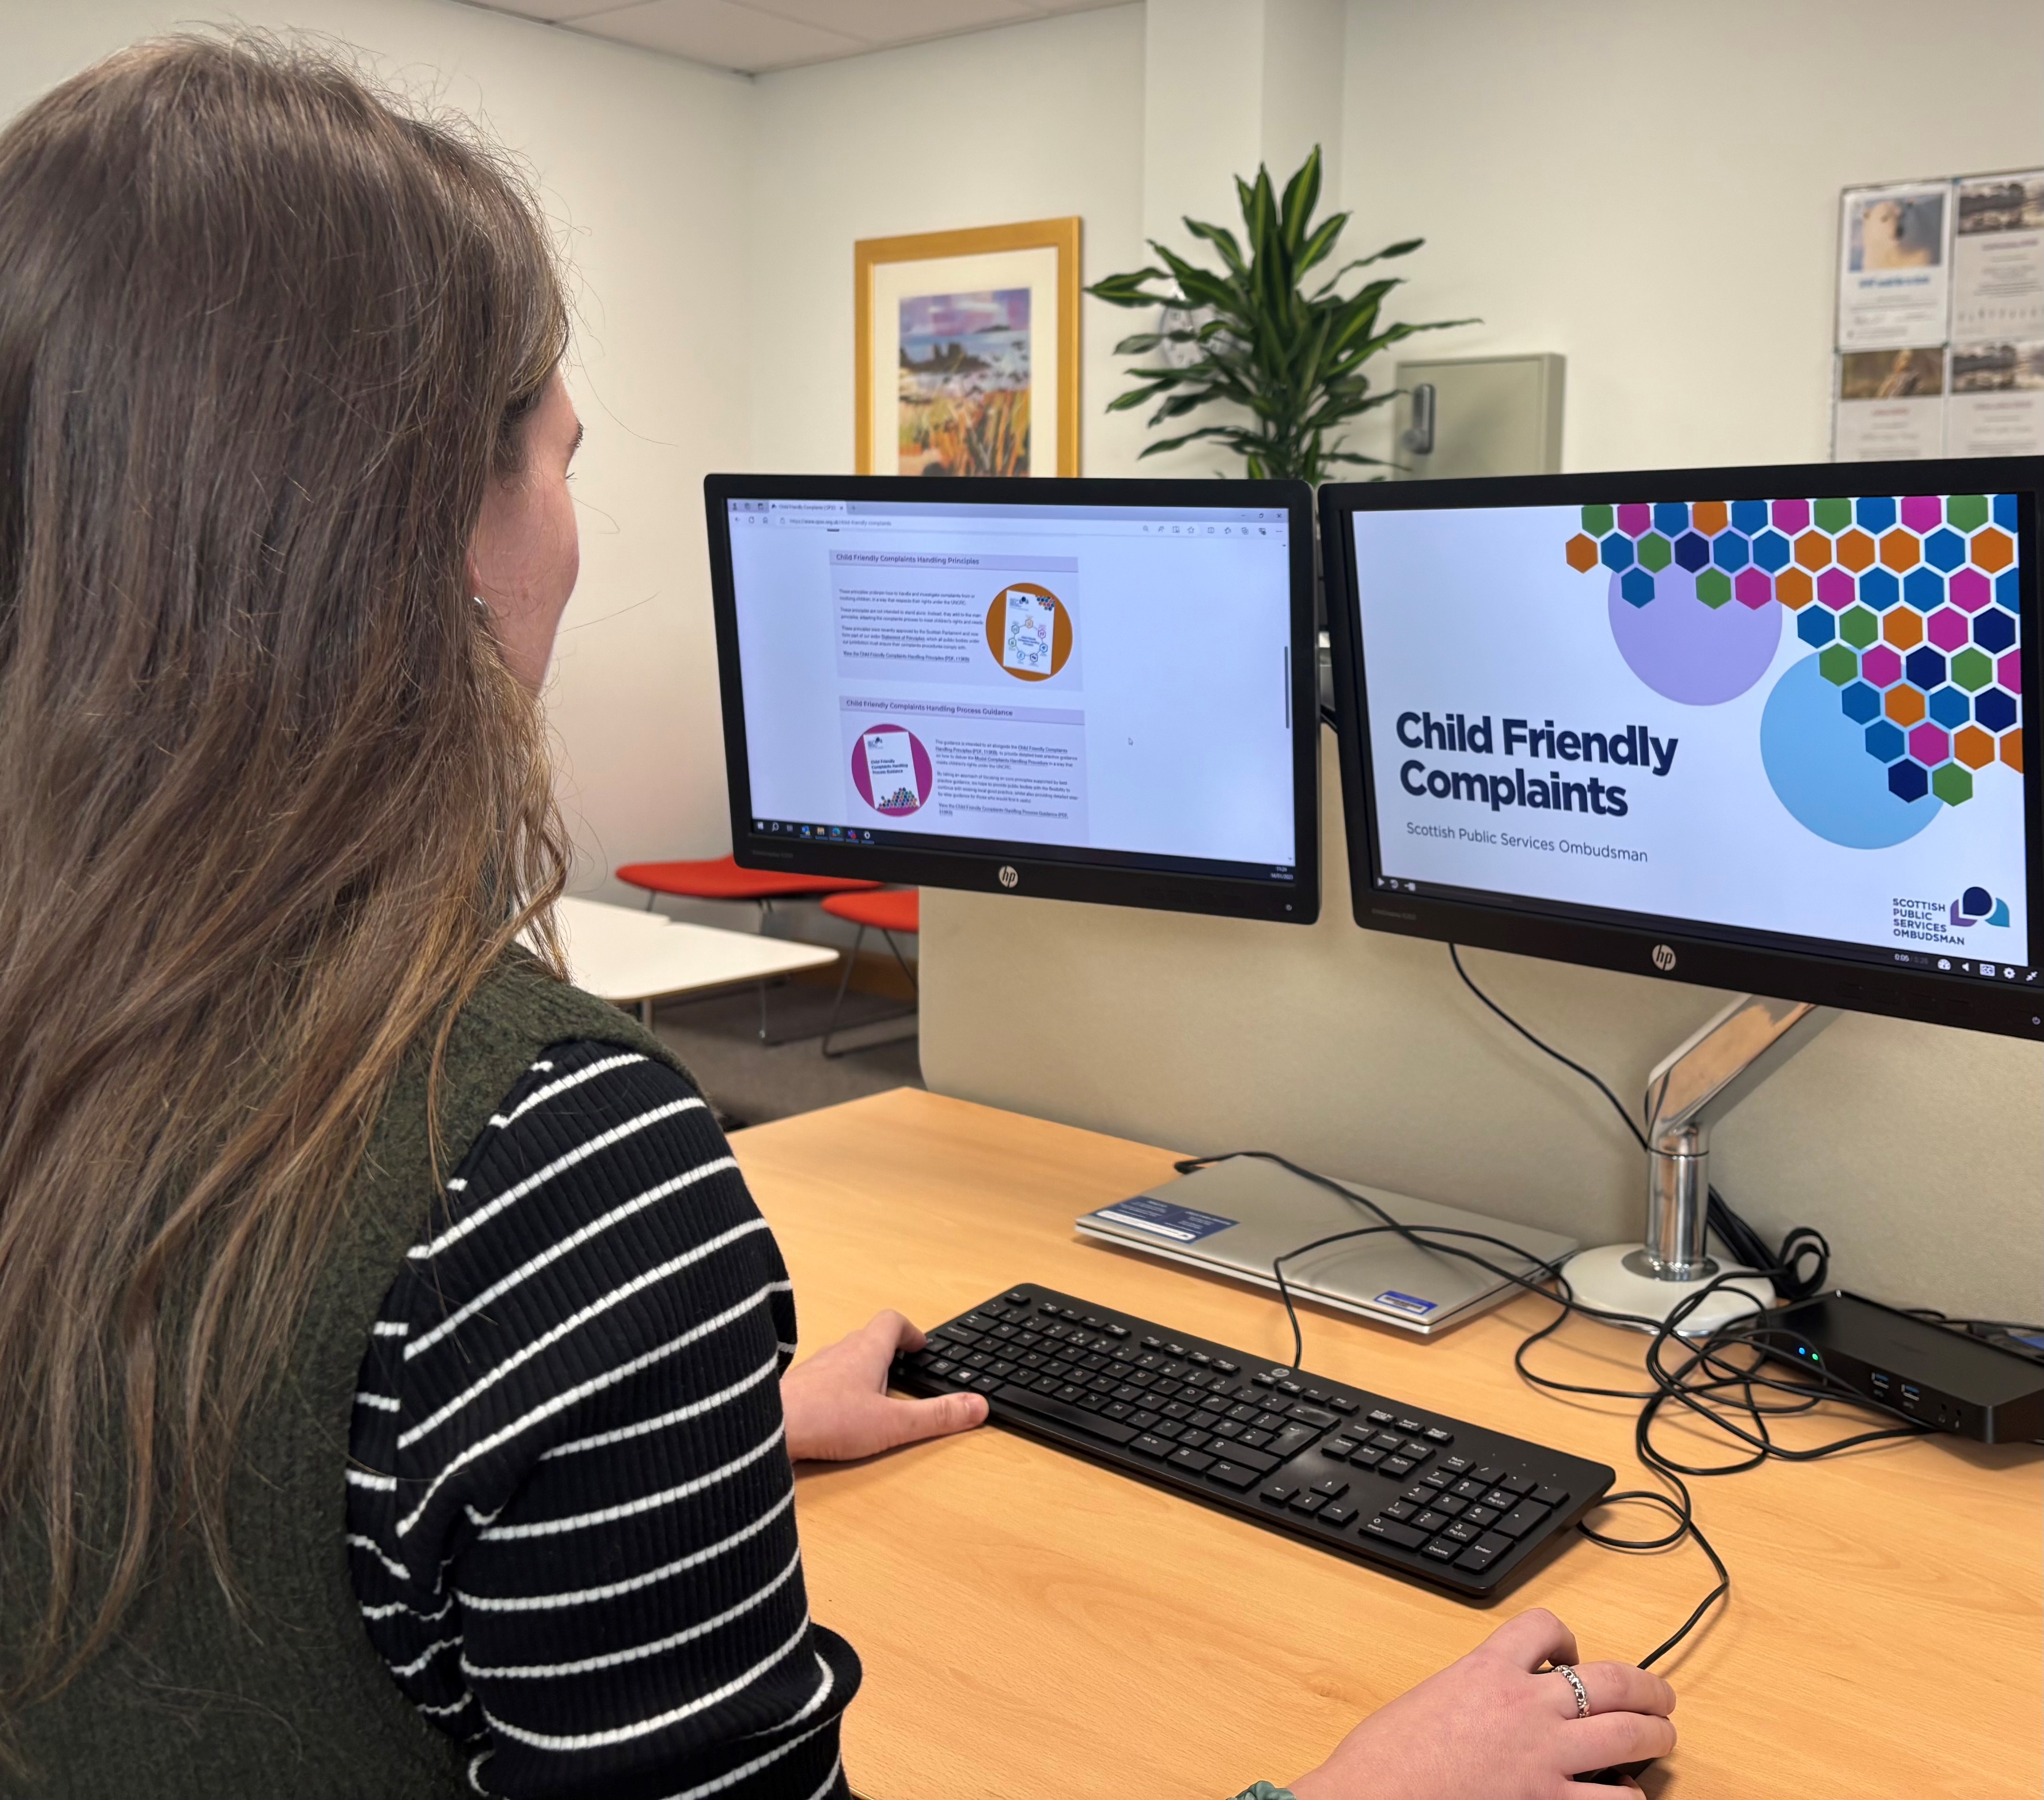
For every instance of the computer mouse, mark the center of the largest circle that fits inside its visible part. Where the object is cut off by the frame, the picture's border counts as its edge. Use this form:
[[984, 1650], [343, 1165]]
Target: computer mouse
[[1615, 1775]]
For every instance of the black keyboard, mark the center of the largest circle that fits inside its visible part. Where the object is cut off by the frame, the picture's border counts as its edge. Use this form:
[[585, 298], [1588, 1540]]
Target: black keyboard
[[1449, 1503]]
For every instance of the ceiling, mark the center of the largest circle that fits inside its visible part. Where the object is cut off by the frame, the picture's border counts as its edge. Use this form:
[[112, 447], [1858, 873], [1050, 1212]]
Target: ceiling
[[752, 36]]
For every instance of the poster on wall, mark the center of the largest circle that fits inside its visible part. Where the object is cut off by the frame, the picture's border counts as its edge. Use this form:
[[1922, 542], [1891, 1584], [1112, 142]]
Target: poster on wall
[[1997, 259], [1997, 407], [1889, 405], [967, 345], [1894, 271]]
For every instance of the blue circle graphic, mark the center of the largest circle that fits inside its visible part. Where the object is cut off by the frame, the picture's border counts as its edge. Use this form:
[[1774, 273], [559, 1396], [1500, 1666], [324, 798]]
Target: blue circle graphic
[[1816, 760]]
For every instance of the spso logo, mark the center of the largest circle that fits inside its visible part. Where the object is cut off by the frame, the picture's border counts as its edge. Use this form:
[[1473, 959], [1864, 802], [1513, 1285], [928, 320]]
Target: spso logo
[[1008, 878], [1664, 957], [1977, 906]]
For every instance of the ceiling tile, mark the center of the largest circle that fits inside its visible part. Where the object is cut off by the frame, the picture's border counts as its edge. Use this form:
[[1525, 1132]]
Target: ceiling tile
[[717, 32], [897, 21], [553, 12]]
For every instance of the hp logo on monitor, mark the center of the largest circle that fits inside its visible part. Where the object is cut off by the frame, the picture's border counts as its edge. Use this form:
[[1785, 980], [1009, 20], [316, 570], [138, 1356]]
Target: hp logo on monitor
[[1008, 878], [1663, 959]]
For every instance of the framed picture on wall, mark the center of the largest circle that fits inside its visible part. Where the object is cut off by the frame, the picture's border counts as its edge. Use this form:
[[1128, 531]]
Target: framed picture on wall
[[967, 347]]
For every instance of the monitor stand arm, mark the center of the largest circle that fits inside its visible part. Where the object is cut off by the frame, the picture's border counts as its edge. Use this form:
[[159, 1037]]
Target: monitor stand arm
[[1692, 1089]]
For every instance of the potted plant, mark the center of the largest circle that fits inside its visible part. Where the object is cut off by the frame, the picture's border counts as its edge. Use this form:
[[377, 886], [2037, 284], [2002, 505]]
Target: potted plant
[[1253, 336]]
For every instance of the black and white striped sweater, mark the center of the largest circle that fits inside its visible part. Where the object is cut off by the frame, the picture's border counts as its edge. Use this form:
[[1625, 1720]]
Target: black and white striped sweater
[[570, 1510]]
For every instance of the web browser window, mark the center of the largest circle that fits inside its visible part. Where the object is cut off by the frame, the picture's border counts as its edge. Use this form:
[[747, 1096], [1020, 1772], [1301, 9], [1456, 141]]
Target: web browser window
[[1796, 720], [1099, 683]]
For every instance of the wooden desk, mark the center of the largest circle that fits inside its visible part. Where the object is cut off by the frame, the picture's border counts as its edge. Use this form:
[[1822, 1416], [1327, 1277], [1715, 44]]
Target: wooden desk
[[1033, 1625]]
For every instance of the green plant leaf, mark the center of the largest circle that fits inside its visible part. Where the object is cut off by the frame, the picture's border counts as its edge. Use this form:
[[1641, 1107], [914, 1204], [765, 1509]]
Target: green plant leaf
[[1222, 239], [1302, 194]]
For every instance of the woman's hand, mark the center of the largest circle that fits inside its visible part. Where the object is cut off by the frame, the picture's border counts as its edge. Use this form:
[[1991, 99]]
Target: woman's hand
[[1488, 1728], [837, 1406]]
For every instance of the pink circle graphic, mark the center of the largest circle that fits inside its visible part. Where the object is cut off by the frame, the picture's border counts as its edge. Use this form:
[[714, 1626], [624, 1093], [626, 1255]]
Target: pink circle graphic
[[898, 799]]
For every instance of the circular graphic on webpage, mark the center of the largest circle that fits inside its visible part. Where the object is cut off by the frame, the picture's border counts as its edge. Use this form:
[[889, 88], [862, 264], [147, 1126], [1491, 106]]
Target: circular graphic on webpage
[[1029, 631], [892, 770]]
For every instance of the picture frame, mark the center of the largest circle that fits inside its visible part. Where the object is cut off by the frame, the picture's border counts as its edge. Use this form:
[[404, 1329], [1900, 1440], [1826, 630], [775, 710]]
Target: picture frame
[[966, 351]]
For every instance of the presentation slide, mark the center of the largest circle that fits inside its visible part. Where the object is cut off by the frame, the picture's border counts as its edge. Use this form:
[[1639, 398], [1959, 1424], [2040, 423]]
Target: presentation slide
[[1094, 679], [1800, 716]]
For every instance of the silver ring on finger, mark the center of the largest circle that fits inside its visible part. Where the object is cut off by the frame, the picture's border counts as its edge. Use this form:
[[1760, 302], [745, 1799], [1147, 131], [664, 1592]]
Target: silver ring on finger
[[1576, 1682]]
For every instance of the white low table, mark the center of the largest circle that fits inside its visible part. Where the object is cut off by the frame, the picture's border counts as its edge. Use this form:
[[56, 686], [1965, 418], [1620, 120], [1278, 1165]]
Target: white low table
[[633, 958]]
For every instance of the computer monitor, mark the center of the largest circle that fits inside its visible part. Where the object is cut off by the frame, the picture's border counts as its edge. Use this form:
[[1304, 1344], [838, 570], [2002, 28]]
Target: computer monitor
[[1757, 728], [1096, 690]]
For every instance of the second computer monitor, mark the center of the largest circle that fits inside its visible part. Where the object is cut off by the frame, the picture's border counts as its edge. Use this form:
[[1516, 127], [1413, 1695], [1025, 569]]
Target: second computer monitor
[[1757, 728], [1096, 690]]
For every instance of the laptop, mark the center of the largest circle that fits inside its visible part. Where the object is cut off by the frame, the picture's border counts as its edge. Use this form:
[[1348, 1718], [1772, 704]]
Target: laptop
[[1235, 1217]]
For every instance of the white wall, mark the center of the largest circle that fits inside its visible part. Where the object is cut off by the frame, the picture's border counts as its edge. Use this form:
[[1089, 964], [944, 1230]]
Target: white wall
[[642, 160], [1651, 188], [1038, 120]]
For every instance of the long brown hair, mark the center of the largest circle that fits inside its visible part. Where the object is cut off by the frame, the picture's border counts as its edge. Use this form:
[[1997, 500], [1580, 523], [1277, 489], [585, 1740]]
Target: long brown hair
[[270, 804]]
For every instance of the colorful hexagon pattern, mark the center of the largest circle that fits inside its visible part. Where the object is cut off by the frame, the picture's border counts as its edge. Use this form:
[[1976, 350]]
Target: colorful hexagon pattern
[[1906, 607]]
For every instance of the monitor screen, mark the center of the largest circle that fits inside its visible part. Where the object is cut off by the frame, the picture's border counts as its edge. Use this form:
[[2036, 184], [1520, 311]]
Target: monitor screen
[[1095, 692], [1759, 728]]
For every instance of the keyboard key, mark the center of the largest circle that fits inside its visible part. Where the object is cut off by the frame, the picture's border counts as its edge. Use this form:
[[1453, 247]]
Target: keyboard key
[[1117, 1331], [1255, 1440], [1520, 1485], [1024, 1401], [1092, 1403], [1342, 1447], [1199, 1359], [1153, 1343], [1486, 1475], [1341, 1403], [1292, 1440], [1337, 1512], [1017, 1298], [1457, 1465], [1460, 1530], [1070, 1393], [1278, 1492], [1249, 1458], [1228, 1428], [1330, 1487], [1369, 1456], [1548, 1495], [1442, 1550], [1396, 1465], [1205, 1421], [1528, 1515], [1232, 1474], [1227, 1368], [1150, 1446], [1315, 1416], [1467, 1490], [1174, 1350], [1391, 1532], [1264, 1380], [1401, 1510], [1483, 1552], [1449, 1504], [1438, 1480], [1192, 1439], [1501, 1497], [1268, 1420], [1388, 1440], [1116, 1409], [1439, 1438], [1411, 1427], [1176, 1409], [1308, 1502], [1483, 1517], [1418, 1448], [1243, 1413], [1419, 1493], [1381, 1417], [1432, 1519], [1291, 1390], [988, 1384], [1143, 1420], [1194, 1461]]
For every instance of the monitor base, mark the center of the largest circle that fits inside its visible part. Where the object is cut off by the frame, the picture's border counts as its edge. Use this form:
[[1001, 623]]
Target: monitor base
[[1606, 1278]]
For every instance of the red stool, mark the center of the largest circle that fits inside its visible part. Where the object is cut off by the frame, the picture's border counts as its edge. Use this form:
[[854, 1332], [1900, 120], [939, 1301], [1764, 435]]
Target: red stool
[[888, 912], [719, 878]]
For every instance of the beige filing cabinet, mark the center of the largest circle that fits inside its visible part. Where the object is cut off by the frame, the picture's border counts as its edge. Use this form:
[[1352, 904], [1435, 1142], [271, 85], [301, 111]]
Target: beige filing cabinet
[[1479, 415]]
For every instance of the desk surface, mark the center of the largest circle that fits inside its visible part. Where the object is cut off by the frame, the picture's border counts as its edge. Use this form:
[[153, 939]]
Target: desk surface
[[1031, 1624], [620, 953]]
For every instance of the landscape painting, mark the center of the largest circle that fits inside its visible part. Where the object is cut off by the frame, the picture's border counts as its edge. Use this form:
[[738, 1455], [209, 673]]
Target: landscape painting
[[963, 383]]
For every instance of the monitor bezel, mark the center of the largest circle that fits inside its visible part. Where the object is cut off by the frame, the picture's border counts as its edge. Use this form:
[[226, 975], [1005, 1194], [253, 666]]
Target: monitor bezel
[[1974, 1003], [1014, 868]]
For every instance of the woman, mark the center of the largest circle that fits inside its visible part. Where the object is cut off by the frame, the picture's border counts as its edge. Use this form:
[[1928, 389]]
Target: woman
[[399, 1397]]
